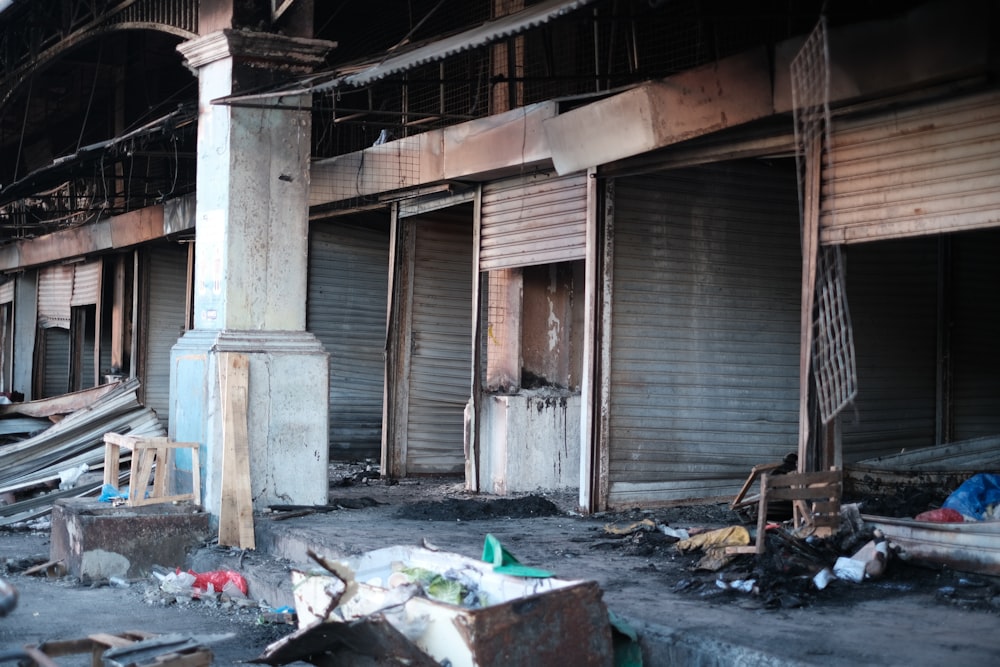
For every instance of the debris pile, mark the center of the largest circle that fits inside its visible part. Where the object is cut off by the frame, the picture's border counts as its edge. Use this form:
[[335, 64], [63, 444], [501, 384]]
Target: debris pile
[[421, 607], [60, 461]]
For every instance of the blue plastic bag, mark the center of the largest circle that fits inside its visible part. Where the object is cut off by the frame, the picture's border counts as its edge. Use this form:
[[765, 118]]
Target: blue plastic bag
[[109, 493], [974, 496]]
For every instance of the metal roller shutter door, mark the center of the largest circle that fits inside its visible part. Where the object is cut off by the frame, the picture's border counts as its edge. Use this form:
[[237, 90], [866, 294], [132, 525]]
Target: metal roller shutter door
[[921, 170], [531, 220], [167, 299], [974, 334], [704, 330], [440, 375], [348, 283], [892, 289]]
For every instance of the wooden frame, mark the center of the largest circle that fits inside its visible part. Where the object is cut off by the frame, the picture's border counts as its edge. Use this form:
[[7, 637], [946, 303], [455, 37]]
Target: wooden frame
[[145, 453], [821, 516]]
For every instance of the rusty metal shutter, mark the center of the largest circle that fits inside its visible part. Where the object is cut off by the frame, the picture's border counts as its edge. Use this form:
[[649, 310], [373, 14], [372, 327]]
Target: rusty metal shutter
[[892, 289], [704, 346], [921, 170], [55, 288], [56, 361], [164, 322], [440, 369], [534, 219], [348, 286], [86, 284]]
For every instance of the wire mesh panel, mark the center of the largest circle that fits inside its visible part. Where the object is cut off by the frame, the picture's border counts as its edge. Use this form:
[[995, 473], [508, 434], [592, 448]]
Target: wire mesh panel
[[831, 341]]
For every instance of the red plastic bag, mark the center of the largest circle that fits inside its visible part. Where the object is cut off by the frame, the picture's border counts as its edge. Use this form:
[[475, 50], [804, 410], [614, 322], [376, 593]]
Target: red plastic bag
[[943, 515], [218, 580]]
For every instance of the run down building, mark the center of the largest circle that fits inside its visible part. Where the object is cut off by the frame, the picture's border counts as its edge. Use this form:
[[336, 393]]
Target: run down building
[[556, 244]]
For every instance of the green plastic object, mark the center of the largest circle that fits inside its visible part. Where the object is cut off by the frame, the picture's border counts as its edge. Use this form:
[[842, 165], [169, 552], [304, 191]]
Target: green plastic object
[[505, 563]]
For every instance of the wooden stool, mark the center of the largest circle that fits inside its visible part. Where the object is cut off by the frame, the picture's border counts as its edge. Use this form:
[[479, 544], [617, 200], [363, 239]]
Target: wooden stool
[[146, 452]]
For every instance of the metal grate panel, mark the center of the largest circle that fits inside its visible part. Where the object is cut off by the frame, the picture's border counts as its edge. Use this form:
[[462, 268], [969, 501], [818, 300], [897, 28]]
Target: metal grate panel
[[833, 360]]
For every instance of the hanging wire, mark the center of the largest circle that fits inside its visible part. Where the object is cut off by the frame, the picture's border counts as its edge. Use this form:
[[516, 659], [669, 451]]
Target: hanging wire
[[24, 125], [90, 101]]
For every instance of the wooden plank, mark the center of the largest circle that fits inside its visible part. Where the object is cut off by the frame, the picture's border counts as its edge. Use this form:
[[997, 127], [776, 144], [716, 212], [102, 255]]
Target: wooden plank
[[805, 479], [236, 500], [802, 493]]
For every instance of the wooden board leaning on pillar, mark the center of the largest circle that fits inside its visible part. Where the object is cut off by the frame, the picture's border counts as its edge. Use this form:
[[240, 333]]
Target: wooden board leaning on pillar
[[236, 501]]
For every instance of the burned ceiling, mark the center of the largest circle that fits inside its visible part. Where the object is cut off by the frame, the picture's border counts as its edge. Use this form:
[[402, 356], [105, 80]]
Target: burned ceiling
[[92, 121]]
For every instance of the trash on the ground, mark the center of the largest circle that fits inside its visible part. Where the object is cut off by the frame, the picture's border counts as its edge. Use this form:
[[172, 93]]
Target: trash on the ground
[[629, 527], [69, 478], [227, 583], [504, 563], [823, 578], [110, 494], [977, 498], [421, 607], [741, 585], [941, 515], [714, 543], [679, 533]]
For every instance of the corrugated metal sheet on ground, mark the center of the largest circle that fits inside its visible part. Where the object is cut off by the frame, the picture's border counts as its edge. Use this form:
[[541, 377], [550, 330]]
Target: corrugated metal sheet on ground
[[348, 286], [705, 330], [533, 219], [914, 171], [441, 359]]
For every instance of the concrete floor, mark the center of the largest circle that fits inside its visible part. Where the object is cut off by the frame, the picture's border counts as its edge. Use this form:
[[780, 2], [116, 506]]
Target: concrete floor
[[884, 623]]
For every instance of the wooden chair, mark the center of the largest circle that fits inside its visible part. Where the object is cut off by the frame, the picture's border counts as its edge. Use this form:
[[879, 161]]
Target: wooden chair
[[815, 498]]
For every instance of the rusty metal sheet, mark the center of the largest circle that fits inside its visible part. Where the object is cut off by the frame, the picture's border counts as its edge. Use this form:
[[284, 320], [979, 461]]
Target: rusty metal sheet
[[58, 405], [968, 547]]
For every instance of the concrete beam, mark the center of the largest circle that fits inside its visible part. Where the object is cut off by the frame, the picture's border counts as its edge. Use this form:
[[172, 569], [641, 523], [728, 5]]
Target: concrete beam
[[731, 92], [121, 231], [476, 150]]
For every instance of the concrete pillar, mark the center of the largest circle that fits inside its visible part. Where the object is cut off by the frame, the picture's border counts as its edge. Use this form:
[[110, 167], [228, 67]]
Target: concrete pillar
[[250, 273]]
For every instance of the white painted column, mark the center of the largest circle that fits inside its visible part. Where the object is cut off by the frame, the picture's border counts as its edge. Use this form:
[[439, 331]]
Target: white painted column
[[251, 271]]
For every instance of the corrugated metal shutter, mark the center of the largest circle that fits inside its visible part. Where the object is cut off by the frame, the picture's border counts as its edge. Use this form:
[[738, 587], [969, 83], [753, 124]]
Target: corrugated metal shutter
[[348, 285], [56, 369], [921, 170], [55, 288], [86, 284], [892, 289], [704, 330], [535, 219], [441, 357], [7, 292], [975, 330], [164, 324]]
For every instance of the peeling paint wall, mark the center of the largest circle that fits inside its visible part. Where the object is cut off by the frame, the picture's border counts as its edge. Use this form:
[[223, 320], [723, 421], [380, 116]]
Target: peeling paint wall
[[552, 311]]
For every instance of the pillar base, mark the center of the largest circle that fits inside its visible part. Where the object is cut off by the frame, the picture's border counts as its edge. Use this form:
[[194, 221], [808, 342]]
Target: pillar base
[[287, 406]]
